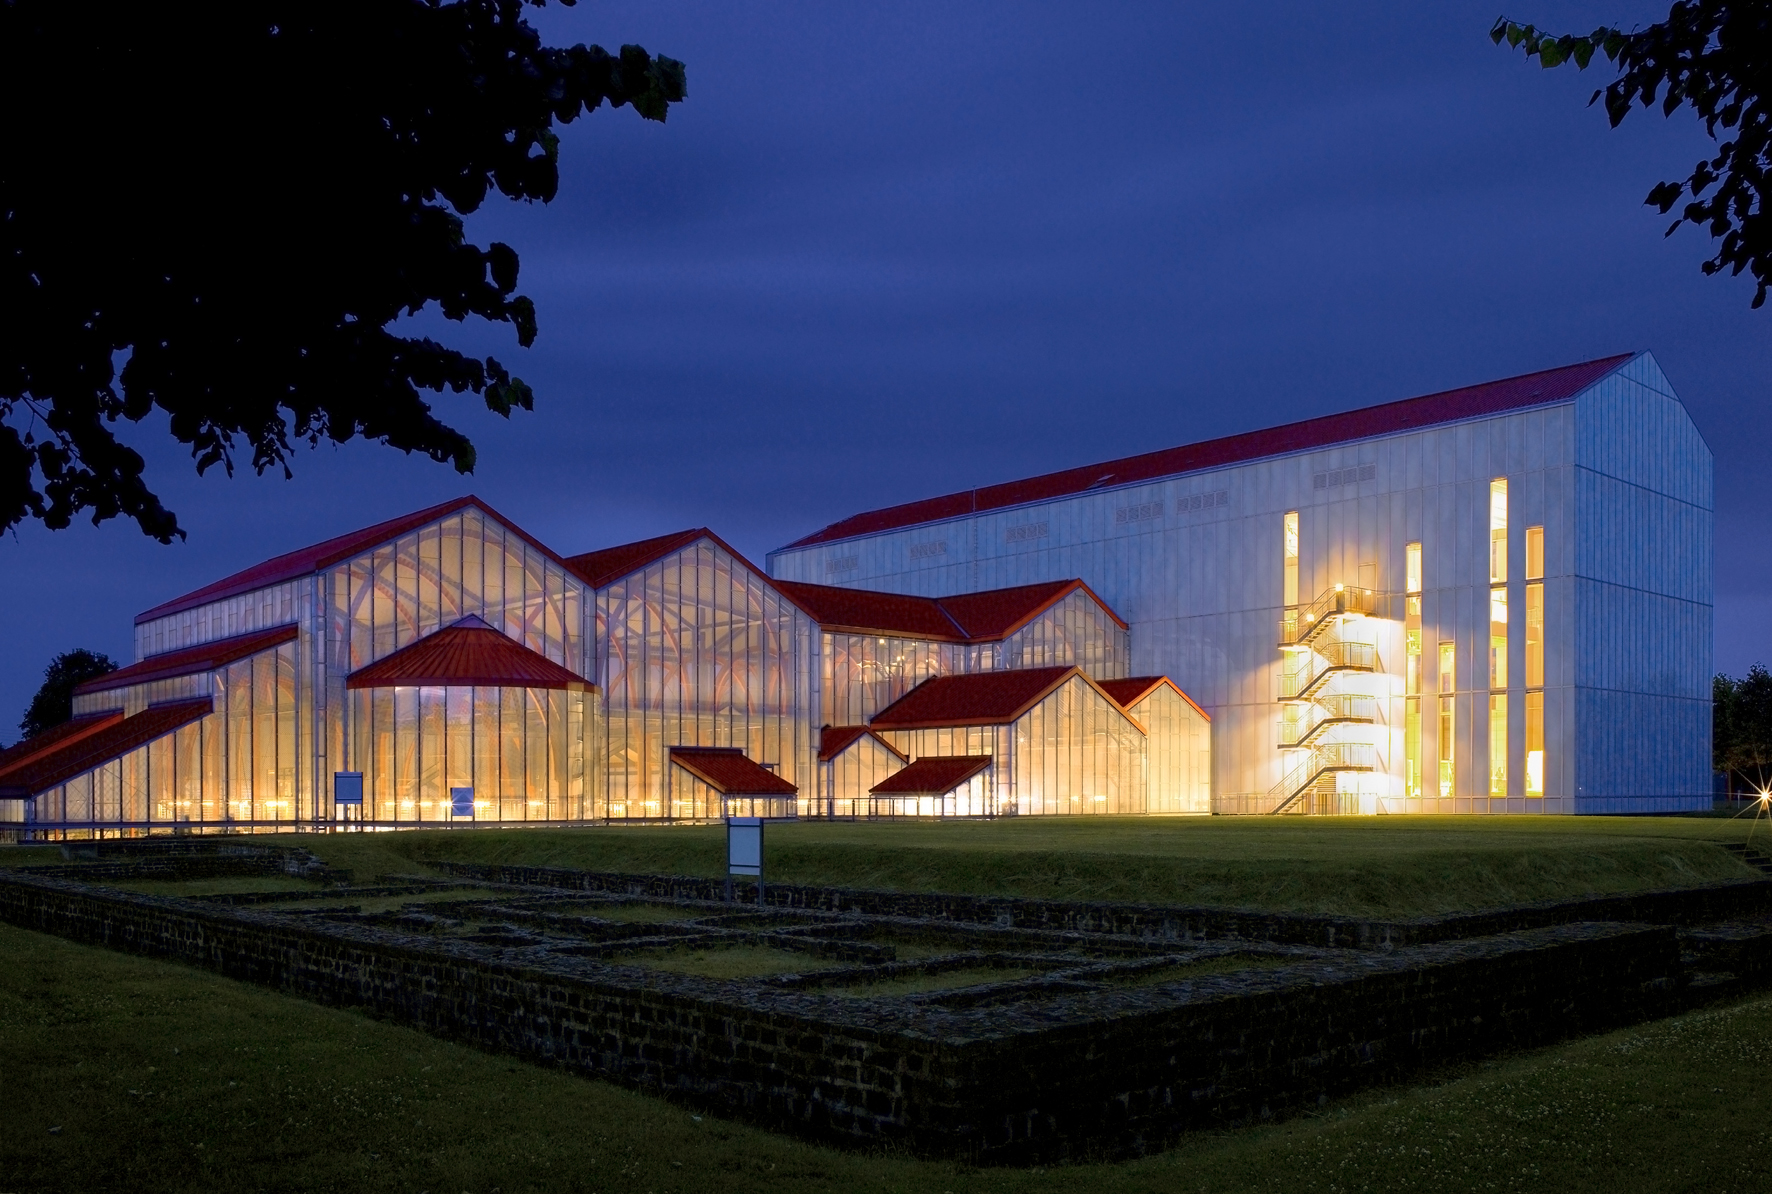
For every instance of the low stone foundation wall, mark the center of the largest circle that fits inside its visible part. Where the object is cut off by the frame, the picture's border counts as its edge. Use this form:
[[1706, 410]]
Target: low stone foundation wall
[[1099, 1071], [1164, 922]]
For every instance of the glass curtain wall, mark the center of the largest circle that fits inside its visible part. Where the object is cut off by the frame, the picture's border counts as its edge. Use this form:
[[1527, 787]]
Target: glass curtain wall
[[863, 673], [971, 799], [522, 751], [1075, 632], [1447, 736], [1412, 634], [1178, 753], [847, 779], [415, 585], [1535, 661], [235, 768], [696, 650]]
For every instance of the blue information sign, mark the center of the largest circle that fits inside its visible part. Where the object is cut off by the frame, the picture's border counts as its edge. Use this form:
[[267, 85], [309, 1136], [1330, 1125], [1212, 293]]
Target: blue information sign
[[347, 788], [461, 802]]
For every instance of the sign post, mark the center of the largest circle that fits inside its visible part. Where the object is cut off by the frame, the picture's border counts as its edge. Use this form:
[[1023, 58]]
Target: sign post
[[744, 852], [461, 803], [347, 793]]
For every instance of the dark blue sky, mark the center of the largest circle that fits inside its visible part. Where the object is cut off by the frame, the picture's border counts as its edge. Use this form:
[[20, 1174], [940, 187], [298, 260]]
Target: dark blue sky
[[886, 253]]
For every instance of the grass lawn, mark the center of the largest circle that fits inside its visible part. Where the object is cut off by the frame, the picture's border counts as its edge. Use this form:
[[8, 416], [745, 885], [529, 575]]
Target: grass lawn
[[1384, 866], [162, 1078]]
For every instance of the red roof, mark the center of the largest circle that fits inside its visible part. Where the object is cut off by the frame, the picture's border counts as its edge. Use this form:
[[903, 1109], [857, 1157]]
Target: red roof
[[464, 654], [730, 772], [932, 775], [969, 617], [978, 699], [204, 657], [56, 737], [834, 740], [114, 740], [599, 569], [1490, 398], [1129, 692], [311, 559]]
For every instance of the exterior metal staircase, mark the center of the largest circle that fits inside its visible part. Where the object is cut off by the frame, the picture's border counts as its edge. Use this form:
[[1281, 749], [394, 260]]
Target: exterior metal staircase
[[1324, 714], [1322, 764], [1328, 655]]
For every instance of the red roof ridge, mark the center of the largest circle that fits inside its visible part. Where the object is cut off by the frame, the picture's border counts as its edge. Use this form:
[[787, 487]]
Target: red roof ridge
[[304, 561], [113, 740], [186, 661], [730, 772], [466, 653], [1542, 388], [973, 698], [606, 565], [56, 738], [1129, 691], [834, 740], [958, 617], [932, 775]]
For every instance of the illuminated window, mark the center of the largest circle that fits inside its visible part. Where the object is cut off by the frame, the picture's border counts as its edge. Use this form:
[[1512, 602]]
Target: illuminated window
[[1412, 778], [1497, 638], [1535, 744], [1534, 553], [1291, 596], [1447, 661], [1535, 635], [1498, 531], [1498, 745]]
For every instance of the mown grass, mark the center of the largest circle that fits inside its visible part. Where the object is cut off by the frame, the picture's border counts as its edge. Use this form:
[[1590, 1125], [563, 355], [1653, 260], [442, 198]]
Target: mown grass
[[1381, 866], [1368, 866], [162, 1078]]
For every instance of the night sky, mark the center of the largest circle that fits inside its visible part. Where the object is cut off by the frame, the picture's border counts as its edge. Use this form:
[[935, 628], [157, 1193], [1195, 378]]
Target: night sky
[[886, 253]]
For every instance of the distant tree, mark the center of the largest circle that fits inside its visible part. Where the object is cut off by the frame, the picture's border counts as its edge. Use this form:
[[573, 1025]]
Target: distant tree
[[235, 201], [1741, 726], [1715, 55], [54, 702]]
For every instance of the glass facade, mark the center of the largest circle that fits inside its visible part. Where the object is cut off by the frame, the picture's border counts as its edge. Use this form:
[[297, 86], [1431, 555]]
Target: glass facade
[[861, 674], [1498, 744], [1534, 661], [697, 650], [1412, 632], [846, 779], [1448, 719], [1178, 753], [1075, 752]]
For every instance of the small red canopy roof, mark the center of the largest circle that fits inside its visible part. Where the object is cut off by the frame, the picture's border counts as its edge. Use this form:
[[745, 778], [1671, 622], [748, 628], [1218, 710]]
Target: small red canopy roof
[[932, 775], [463, 654], [112, 740], [834, 740], [204, 657], [730, 772], [982, 698], [314, 557], [56, 737], [1129, 692], [1489, 398], [967, 617]]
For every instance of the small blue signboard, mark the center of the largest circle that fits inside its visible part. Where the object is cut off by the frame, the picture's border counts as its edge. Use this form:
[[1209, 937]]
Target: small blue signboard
[[347, 788], [461, 802], [744, 851]]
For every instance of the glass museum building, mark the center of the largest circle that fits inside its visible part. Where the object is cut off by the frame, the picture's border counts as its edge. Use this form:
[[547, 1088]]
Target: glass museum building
[[1312, 618]]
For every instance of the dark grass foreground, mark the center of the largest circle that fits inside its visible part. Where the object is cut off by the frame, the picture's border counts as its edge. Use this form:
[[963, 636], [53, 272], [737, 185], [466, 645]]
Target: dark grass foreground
[[164, 1078]]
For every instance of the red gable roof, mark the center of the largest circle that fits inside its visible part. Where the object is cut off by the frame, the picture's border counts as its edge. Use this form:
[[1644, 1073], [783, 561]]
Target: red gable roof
[[978, 699], [932, 775], [834, 740], [1129, 692], [968, 617], [463, 654], [307, 560], [204, 657], [114, 740], [605, 567], [56, 738], [1490, 398], [730, 772]]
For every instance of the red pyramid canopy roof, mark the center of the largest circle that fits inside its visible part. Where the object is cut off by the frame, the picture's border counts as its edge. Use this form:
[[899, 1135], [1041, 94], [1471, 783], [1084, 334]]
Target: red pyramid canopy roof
[[932, 775], [466, 653], [730, 772]]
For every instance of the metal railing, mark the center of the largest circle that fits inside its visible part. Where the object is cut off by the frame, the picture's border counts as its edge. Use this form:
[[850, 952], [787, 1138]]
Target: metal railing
[[1305, 622], [1333, 655], [1333, 756], [1331, 710]]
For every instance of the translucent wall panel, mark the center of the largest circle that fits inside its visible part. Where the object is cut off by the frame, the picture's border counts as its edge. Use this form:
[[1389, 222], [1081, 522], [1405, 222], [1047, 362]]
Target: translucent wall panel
[[845, 781], [160, 784], [465, 564], [1076, 632], [522, 750], [861, 674], [1178, 753], [695, 650], [971, 799]]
